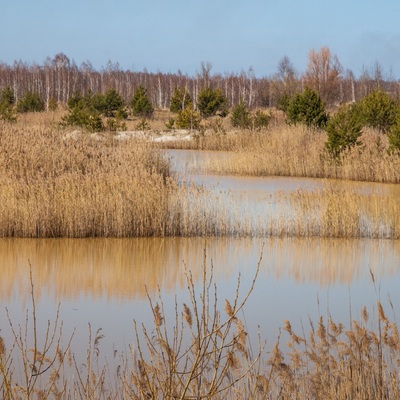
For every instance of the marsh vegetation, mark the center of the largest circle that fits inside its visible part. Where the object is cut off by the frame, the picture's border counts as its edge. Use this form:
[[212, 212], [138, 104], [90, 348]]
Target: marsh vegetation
[[202, 348], [58, 184], [54, 185]]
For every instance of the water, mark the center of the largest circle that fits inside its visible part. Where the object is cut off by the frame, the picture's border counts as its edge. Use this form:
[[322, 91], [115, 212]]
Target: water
[[105, 282]]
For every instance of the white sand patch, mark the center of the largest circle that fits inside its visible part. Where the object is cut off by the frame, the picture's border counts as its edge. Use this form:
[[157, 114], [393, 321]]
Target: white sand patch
[[151, 135]]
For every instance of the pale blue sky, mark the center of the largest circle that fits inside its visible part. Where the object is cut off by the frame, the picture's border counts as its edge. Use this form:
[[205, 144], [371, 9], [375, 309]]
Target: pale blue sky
[[232, 35]]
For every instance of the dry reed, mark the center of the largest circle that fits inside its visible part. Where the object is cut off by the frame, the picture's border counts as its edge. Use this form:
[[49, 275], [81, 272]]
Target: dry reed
[[298, 151], [57, 187], [340, 212], [204, 353], [53, 186]]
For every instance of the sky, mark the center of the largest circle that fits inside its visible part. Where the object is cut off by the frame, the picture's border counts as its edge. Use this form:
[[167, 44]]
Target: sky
[[231, 35]]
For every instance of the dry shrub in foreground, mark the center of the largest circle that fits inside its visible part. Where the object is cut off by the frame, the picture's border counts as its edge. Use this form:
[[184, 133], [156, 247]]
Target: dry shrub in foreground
[[335, 363], [205, 354]]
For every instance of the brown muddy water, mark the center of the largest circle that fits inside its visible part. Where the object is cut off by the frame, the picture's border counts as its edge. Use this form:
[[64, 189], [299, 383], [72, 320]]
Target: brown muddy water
[[104, 281]]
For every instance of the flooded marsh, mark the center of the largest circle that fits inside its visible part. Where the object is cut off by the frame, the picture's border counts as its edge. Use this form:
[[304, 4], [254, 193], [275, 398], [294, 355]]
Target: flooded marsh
[[329, 248]]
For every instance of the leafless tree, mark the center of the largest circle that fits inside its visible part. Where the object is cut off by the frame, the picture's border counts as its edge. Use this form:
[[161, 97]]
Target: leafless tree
[[323, 74]]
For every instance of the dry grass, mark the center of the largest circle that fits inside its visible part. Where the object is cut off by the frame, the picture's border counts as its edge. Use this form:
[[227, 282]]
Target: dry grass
[[205, 353], [297, 151], [53, 187], [340, 212], [57, 187]]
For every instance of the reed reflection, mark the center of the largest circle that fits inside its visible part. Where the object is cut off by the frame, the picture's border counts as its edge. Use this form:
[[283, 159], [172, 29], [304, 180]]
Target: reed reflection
[[122, 269]]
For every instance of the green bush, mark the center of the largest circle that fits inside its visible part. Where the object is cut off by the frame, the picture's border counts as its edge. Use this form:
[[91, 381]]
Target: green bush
[[115, 124], [283, 101], [31, 102], [7, 96], [261, 120], [307, 108], [140, 103], [77, 100], [82, 113], [379, 110], [188, 119], [170, 123], [7, 101], [212, 102], [87, 111], [240, 117], [180, 100], [143, 125], [344, 130], [394, 137], [110, 104]]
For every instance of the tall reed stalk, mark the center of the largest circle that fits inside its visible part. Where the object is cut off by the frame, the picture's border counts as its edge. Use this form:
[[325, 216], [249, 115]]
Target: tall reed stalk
[[203, 352]]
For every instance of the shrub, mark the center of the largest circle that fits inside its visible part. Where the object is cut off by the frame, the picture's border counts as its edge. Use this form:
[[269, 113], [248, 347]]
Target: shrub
[[282, 102], [344, 130], [379, 110], [188, 119], [170, 123], [140, 103], [180, 100], [31, 102], [110, 104], [115, 124], [82, 113], [240, 117], [87, 111], [7, 96], [143, 125], [307, 108], [261, 120], [7, 113], [211, 102], [77, 100], [394, 137], [85, 118], [7, 101]]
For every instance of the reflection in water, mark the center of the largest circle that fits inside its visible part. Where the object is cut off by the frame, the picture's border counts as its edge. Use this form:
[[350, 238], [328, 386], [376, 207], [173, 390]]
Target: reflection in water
[[120, 269], [104, 281], [271, 206]]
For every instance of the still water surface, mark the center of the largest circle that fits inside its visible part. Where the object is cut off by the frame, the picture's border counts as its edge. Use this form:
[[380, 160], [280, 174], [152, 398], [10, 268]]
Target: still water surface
[[105, 281]]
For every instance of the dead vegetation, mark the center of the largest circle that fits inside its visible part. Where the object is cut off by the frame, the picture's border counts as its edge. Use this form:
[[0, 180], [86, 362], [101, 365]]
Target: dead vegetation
[[204, 352], [297, 151], [58, 186]]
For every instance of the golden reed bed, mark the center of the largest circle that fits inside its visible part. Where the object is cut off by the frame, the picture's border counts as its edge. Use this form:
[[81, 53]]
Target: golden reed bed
[[56, 187], [297, 151]]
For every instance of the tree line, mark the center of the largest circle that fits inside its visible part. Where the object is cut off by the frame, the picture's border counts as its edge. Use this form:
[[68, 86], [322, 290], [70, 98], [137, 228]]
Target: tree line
[[59, 78]]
